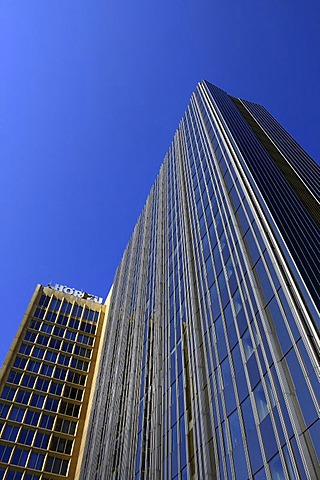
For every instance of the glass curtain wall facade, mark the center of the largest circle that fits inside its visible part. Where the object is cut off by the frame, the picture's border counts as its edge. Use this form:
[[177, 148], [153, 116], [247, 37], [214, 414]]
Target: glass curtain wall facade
[[210, 367], [45, 387]]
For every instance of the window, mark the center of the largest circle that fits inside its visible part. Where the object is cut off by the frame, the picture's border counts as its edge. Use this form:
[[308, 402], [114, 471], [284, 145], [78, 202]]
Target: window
[[65, 426], [36, 461], [28, 380], [90, 315], [74, 323], [46, 421], [56, 465], [62, 320], [42, 385], [76, 378], [46, 328], [69, 409], [77, 311], [261, 402], [24, 348], [32, 418], [51, 404], [70, 335], [51, 316], [58, 331], [72, 392], [82, 351], [51, 356], [41, 440], [16, 414], [279, 325], [38, 352], [55, 304], [247, 344], [37, 400], [14, 377], [67, 347], [64, 359], [55, 388], [61, 445], [26, 436], [19, 457], [42, 340], [44, 300], [88, 327], [35, 325], [8, 393], [33, 366], [85, 339], [3, 410], [220, 338], [20, 362], [13, 475], [46, 370], [60, 373], [210, 272], [23, 396], [66, 307], [55, 343], [10, 433], [235, 430], [276, 468], [79, 364], [5, 453], [30, 336], [39, 313]]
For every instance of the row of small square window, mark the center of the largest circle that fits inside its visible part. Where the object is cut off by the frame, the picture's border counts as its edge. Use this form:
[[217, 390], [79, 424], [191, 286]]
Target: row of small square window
[[45, 340], [43, 384], [33, 418], [38, 418], [50, 356], [54, 424], [66, 307], [11, 474], [19, 395], [63, 321], [34, 460], [48, 370], [35, 438]]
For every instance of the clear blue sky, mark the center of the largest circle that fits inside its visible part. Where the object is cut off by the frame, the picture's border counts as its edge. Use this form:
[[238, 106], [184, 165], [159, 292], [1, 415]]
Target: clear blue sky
[[91, 93]]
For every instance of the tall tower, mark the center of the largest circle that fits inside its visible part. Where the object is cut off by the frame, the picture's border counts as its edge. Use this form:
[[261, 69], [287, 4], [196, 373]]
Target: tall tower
[[210, 362], [46, 385]]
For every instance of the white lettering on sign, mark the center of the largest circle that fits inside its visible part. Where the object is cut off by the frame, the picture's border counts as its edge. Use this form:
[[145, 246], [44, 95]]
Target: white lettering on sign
[[77, 293]]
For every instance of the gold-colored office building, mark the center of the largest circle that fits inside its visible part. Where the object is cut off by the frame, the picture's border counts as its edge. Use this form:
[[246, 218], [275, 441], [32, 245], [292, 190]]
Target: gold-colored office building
[[46, 384]]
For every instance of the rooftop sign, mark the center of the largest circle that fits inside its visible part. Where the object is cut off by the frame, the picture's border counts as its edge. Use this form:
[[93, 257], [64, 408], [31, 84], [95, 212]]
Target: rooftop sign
[[76, 293]]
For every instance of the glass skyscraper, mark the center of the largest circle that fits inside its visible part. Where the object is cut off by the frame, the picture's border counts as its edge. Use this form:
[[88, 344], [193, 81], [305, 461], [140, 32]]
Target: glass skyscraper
[[210, 362], [207, 364]]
